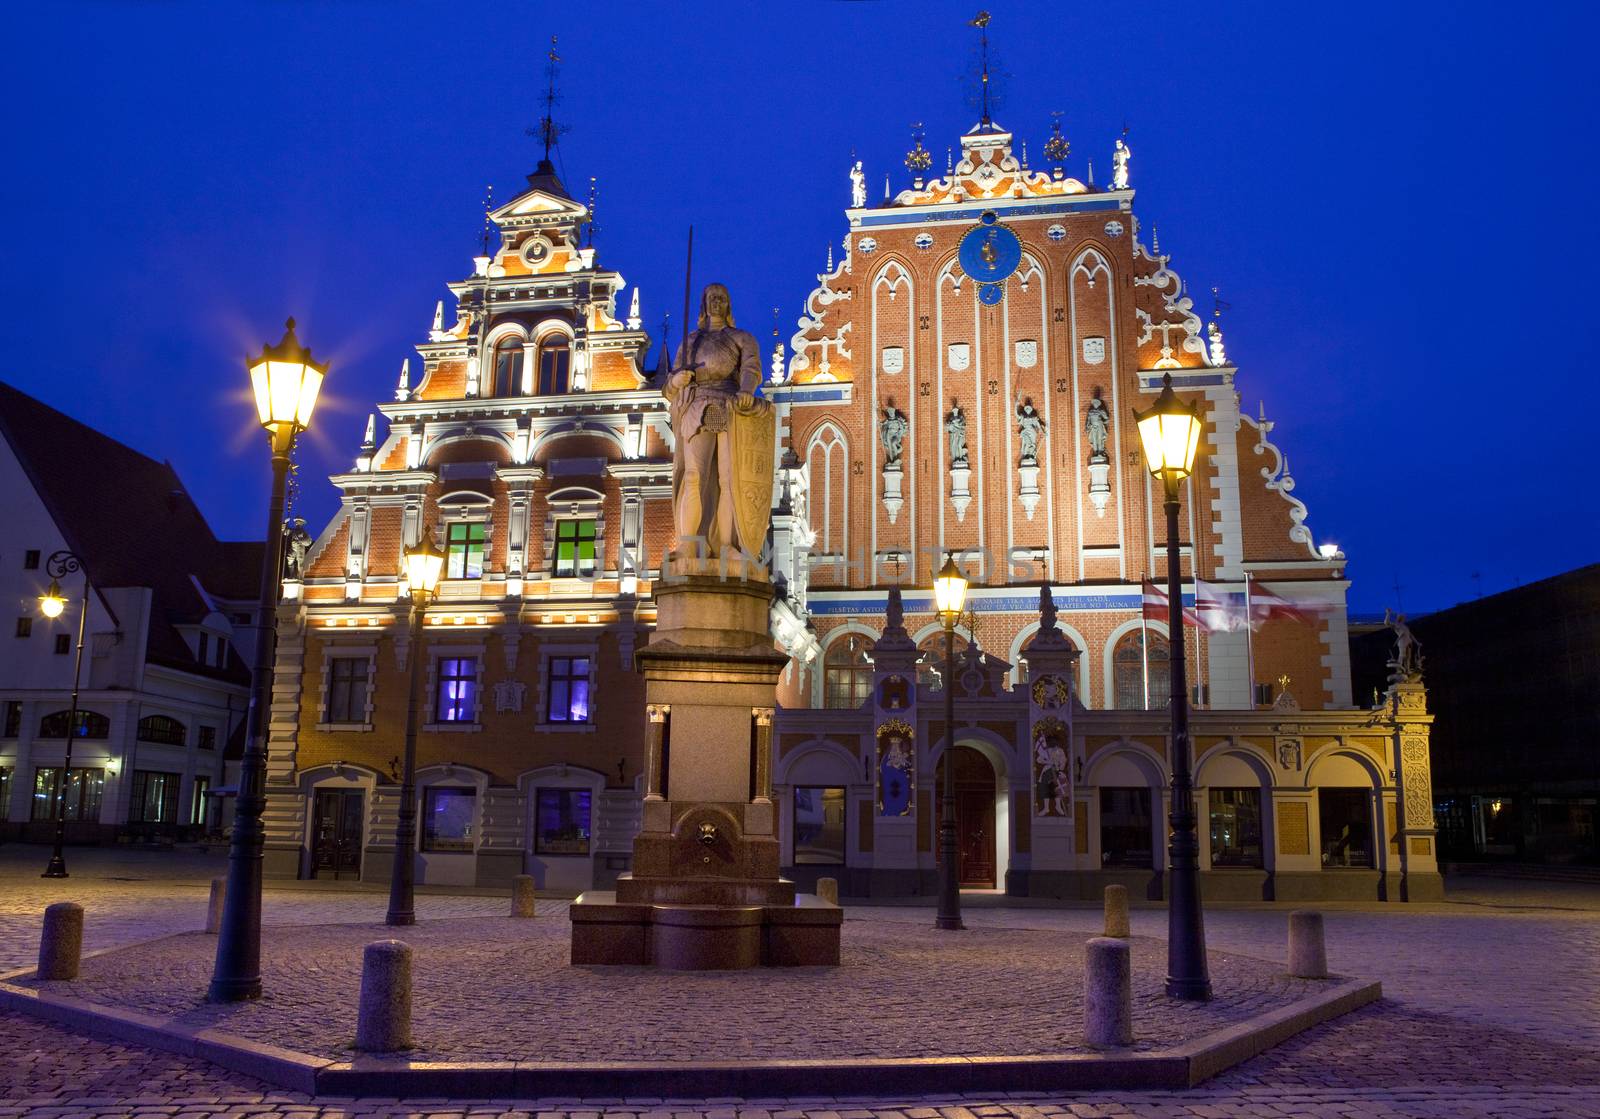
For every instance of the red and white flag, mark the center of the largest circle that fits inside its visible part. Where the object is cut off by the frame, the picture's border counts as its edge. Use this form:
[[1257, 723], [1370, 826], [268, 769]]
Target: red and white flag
[[1265, 605], [1218, 611], [1156, 608]]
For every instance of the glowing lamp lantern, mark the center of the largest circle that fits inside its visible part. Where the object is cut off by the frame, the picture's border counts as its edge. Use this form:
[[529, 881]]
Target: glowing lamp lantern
[[52, 602], [949, 590], [1170, 432], [286, 382], [424, 562]]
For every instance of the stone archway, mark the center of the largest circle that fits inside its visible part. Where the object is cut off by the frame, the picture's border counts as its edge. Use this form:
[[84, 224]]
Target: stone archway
[[978, 831]]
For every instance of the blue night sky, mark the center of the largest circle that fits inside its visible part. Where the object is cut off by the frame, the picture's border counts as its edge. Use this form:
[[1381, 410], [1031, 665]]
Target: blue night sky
[[1396, 199]]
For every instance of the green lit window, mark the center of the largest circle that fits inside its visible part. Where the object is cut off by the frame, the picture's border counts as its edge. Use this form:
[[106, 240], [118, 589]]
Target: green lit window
[[574, 548], [464, 551]]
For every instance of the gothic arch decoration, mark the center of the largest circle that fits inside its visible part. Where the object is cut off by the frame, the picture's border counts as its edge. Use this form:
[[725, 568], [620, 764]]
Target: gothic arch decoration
[[846, 676], [891, 276], [1091, 264], [1108, 657], [1133, 676], [828, 482]]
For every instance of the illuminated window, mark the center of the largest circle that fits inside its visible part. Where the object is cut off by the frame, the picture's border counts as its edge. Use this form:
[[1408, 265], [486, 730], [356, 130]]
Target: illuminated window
[[85, 788], [464, 551], [154, 799], [819, 825], [1128, 672], [574, 548], [561, 822], [1236, 827], [456, 700], [567, 686], [508, 357], [847, 672], [447, 819], [5, 793], [197, 801], [555, 364]]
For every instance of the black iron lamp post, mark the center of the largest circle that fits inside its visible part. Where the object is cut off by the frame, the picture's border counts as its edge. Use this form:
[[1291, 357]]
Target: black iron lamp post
[[286, 382], [949, 594], [1170, 432], [424, 562], [51, 604]]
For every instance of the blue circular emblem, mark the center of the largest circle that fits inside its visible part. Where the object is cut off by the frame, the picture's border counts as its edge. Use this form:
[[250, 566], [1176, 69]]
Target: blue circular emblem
[[989, 251], [990, 294]]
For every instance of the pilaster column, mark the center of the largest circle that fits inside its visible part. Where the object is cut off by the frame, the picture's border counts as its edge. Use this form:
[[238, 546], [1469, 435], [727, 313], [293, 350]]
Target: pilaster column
[[656, 730], [763, 718]]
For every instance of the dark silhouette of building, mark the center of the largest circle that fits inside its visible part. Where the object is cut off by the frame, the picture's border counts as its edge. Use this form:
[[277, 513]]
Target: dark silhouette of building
[[1514, 680]]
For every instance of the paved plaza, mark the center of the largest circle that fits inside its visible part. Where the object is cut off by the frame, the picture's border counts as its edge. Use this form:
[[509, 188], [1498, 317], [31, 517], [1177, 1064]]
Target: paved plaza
[[1492, 1005]]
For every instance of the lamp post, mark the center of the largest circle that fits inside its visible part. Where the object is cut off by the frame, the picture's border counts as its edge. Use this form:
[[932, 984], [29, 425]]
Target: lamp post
[[51, 605], [949, 593], [424, 562], [1170, 432], [286, 382]]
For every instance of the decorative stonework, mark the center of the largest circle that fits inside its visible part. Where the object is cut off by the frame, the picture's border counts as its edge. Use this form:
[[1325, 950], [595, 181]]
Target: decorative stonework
[[1418, 783]]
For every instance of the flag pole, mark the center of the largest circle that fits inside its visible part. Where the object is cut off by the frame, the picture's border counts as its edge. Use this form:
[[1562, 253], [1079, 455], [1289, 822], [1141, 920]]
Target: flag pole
[[1249, 644]]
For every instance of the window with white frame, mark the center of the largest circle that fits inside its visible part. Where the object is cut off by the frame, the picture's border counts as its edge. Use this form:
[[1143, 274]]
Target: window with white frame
[[348, 684], [567, 689], [463, 549], [575, 548], [456, 690]]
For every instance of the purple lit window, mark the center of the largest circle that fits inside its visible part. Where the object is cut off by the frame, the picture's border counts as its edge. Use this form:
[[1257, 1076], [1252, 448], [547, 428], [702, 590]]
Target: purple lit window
[[458, 690], [447, 815], [568, 690], [561, 824]]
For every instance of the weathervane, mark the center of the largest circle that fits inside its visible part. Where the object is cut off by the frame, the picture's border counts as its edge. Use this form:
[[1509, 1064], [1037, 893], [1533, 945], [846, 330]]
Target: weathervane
[[488, 208], [1056, 148], [918, 159], [549, 132], [591, 227]]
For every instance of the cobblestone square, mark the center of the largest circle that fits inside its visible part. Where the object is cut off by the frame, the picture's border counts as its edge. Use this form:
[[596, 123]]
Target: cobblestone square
[[1492, 1003]]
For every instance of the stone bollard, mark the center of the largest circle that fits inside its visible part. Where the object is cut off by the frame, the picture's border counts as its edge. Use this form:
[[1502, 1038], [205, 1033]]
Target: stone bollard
[[61, 943], [1108, 993], [522, 896], [384, 1022], [219, 890], [828, 890], [1308, 954], [1117, 911]]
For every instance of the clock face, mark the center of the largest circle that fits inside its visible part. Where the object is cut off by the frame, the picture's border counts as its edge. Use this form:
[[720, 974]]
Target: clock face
[[989, 251]]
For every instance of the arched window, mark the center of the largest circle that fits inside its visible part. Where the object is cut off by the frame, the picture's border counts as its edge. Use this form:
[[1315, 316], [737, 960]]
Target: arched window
[[1128, 672], [930, 660], [90, 724], [555, 364], [507, 367], [161, 728], [847, 672]]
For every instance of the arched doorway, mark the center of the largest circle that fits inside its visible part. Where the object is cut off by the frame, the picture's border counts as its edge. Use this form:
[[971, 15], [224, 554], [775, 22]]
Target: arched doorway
[[976, 828]]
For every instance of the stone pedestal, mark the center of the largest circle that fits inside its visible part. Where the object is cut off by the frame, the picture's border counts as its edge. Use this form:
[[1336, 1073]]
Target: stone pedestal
[[1099, 483], [705, 890], [1028, 480]]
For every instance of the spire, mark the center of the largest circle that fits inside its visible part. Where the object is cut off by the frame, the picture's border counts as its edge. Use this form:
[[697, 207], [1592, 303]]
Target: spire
[[403, 391], [830, 258], [949, 162], [886, 186], [369, 444], [1024, 155], [488, 208], [981, 22], [438, 321], [664, 364], [777, 351], [592, 227], [633, 309]]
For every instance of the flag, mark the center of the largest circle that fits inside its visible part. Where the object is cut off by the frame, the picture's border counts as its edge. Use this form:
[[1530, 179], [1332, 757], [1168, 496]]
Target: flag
[[1265, 605], [1156, 609], [1217, 610]]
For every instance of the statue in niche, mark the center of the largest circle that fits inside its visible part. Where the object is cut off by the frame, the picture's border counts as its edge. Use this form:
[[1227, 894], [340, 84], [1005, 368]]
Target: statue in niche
[[892, 432], [1051, 785], [955, 426], [724, 436], [299, 545], [858, 186], [1029, 427], [1097, 425], [1119, 165]]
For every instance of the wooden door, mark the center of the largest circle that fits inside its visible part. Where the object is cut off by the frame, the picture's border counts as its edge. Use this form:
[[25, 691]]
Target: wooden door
[[975, 836], [336, 834]]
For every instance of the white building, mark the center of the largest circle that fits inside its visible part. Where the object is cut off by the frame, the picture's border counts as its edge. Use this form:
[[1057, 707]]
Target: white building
[[165, 678]]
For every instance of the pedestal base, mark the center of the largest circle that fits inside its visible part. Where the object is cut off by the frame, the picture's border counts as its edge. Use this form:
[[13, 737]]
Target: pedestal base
[[704, 937]]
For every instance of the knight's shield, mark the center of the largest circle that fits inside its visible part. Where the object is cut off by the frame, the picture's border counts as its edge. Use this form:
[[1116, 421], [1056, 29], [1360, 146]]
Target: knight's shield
[[753, 436]]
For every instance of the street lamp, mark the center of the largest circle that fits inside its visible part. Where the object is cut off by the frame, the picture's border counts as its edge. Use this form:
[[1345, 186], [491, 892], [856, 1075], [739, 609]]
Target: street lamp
[[1170, 432], [286, 381], [949, 594], [424, 563], [51, 604]]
